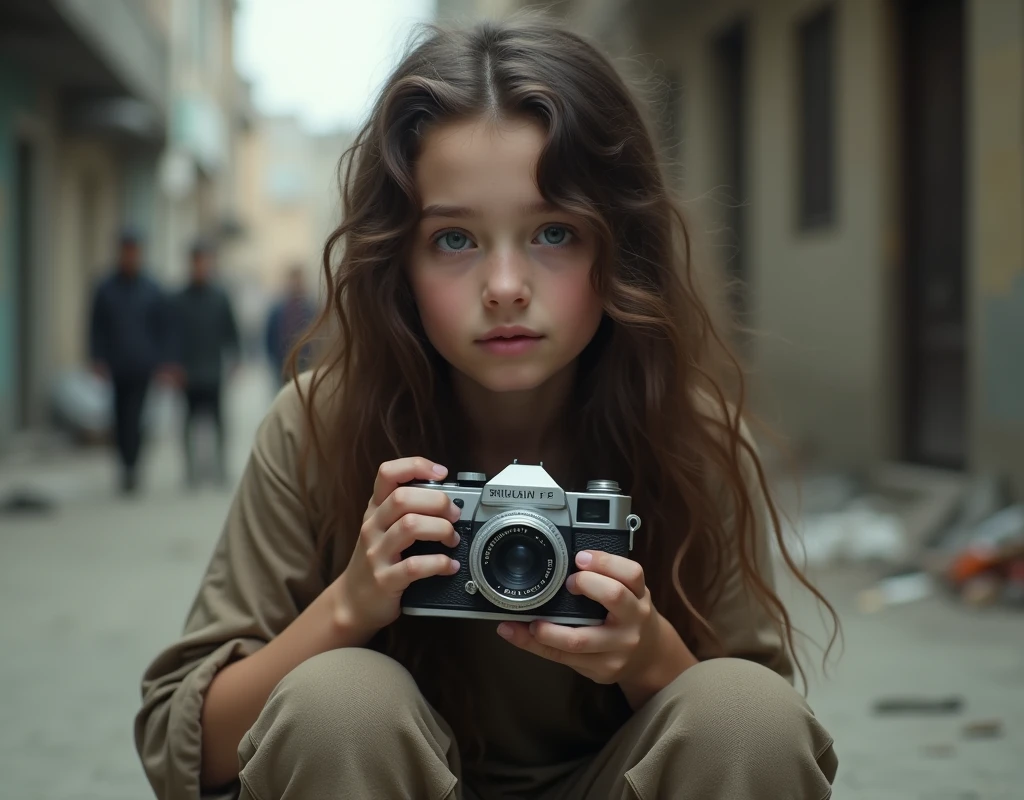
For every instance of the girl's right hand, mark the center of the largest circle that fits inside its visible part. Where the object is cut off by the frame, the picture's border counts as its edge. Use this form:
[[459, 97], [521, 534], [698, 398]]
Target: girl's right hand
[[370, 589]]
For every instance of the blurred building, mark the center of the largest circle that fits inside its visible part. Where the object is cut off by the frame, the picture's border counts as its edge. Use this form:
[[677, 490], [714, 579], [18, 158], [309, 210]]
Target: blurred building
[[112, 113], [859, 166], [288, 204]]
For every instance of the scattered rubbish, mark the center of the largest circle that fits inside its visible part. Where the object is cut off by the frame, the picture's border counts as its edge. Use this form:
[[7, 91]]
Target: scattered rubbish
[[919, 705], [22, 501], [927, 500], [985, 495], [984, 729], [981, 591], [1013, 589], [857, 534], [896, 590], [933, 531], [82, 404], [993, 541], [988, 567]]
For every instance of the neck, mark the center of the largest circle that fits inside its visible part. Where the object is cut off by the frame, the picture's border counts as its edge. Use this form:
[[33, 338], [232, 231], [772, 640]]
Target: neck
[[526, 425]]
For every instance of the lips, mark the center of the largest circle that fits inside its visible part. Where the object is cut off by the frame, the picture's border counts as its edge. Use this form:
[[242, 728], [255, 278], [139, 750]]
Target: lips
[[510, 332], [508, 338], [510, 341]]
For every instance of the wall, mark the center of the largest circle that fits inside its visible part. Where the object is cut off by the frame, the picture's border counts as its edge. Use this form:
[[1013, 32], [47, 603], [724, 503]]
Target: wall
[[16, 96], [87, 211], [823, 356], [996, 233]]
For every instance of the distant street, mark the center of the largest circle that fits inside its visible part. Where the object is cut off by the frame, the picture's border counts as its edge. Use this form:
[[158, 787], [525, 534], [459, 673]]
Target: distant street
[[92, 592]]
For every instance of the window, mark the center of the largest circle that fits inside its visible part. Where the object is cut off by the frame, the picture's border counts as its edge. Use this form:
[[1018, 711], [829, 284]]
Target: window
[[817, 119]]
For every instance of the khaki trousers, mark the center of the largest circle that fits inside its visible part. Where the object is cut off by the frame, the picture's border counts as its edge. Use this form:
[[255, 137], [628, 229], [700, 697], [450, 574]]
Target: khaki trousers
[[351, 723]]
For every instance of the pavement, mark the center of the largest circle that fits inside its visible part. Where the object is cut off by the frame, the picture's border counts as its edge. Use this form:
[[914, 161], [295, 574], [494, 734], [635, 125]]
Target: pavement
[[92, 590]]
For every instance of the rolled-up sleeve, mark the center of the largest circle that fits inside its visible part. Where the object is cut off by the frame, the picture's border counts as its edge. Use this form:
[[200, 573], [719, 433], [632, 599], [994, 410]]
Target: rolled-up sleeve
[[263, 572]]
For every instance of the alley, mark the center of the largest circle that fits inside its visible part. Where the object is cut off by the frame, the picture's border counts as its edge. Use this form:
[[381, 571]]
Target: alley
[[90, 593]]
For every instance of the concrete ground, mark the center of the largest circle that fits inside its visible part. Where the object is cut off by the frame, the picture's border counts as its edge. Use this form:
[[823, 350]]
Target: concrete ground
[[91, 592]]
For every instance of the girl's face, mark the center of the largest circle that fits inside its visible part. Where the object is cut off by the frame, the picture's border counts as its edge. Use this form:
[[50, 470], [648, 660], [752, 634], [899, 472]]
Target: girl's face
[[501, 279]]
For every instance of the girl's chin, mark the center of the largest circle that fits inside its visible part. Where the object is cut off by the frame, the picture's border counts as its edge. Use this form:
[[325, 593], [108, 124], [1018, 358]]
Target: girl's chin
[[509, 381]]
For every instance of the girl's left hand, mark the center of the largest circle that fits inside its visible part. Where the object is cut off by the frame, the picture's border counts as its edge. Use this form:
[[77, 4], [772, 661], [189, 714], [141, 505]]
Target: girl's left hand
[[635, 647]]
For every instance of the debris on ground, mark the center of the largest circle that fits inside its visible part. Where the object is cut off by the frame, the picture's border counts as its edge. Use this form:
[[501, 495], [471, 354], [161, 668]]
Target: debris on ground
[[927, 531], [896, 590], [860, 532], [23, 501], [913, 704], [984, 729], [980, 591]]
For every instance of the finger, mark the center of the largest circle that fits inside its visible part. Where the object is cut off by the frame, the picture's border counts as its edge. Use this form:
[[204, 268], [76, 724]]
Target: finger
[[626, 571], [397, 577], [582, 640], [416, 500], [417, 527], [392, 474], [518, 633], [610, 593]]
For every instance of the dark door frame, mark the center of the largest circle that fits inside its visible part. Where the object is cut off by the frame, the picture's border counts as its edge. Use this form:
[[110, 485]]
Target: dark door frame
[[934, 287]]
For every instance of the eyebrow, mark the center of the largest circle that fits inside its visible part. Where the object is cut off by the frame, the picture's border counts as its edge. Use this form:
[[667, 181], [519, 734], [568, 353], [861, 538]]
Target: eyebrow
[[459, 212]]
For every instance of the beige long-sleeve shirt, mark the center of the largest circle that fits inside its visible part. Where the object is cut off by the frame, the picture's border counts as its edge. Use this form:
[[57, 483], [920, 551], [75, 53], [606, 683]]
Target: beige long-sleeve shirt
[[263, 573]]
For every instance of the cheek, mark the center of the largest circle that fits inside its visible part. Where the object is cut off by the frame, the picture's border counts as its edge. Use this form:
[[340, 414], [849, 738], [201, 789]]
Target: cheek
[[440, 305], [579, 308]]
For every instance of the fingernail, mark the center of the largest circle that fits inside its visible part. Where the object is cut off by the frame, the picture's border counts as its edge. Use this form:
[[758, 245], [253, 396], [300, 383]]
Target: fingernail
[[456, 566], [533, 629], [439, 470], [570, 583], [457, 538], [584, 558], [505, 630], [456, 511]]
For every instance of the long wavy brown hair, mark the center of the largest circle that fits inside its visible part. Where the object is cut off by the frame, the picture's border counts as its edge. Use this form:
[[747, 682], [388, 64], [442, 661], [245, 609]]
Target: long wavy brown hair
[[650, 407]]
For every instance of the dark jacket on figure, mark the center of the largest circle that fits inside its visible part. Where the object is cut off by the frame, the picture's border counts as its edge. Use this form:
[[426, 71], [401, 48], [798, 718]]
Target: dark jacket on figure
[[129, 329], [288, 320], [205, 331]]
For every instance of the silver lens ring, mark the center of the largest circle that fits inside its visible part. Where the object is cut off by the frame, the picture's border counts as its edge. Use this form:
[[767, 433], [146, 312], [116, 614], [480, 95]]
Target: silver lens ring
[[541, 525]]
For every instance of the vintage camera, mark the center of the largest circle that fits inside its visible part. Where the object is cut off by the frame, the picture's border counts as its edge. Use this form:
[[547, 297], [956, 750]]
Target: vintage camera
[[520, 533]]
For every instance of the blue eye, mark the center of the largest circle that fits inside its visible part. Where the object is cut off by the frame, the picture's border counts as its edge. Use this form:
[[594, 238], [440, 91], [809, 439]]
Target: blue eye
[[555, 235], [452, 241]]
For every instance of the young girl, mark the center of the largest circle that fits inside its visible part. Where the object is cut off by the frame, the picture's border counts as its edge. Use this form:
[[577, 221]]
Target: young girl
[[508, 287]]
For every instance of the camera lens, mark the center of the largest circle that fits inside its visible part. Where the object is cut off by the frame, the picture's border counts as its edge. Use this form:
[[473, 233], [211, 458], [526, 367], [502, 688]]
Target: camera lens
[[518, 560]]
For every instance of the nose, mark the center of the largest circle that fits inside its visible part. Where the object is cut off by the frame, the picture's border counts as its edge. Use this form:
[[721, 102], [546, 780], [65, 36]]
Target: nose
[[507, 280]]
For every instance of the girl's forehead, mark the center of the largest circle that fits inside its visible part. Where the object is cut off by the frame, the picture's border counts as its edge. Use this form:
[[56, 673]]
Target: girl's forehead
[[480, 161]]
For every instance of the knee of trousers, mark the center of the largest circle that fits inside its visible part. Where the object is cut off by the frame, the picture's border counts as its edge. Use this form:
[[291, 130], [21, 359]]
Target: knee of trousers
[[351, 699], [735, 713], [348, 718]]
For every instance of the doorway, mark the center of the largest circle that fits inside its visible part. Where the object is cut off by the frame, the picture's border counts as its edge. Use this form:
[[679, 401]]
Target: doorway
[[934, 282]]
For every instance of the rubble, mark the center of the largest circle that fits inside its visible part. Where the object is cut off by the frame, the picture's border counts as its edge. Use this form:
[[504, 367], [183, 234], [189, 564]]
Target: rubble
[[984, 729], [896, 590], [925, 530], [919, 705]]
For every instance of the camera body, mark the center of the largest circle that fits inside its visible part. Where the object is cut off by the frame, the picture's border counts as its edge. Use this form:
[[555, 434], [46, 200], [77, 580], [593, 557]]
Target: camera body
[[520, 533]]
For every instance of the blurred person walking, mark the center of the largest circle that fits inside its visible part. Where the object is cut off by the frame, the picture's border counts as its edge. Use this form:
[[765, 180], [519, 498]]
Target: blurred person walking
[[206, 338], [129, 344], [288, 319]]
